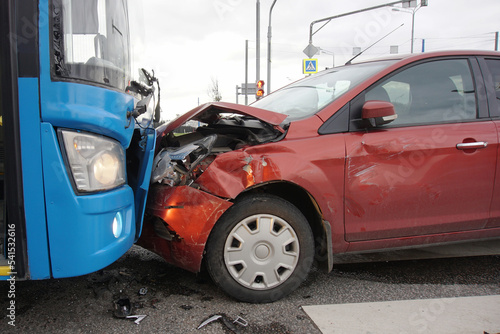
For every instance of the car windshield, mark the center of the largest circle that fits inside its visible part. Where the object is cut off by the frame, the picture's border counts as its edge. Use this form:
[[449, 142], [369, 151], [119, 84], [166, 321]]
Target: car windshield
[[92, 42], [308, 96]]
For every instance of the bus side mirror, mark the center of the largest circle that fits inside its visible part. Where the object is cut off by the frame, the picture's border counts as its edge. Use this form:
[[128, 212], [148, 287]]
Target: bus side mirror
[[378, 112]]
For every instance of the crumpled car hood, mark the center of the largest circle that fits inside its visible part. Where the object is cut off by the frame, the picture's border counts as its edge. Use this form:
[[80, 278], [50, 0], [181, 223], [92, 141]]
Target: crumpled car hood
[[208, 111]]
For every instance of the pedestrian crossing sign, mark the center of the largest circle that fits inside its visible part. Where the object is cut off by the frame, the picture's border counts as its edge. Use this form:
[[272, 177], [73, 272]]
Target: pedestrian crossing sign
[[310, 66]]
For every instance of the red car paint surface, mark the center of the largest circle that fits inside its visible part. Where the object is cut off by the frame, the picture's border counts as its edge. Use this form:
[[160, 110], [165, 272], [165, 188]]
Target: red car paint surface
[[191, 214], [400, 185]]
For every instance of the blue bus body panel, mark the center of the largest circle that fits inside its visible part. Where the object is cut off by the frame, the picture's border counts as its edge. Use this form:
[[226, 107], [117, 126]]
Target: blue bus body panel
[[36, 224], [142, 188], [89, 108], [80, 227]]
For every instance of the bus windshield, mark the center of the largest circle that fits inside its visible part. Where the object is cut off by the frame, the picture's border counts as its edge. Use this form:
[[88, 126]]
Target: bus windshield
[[92, 42]]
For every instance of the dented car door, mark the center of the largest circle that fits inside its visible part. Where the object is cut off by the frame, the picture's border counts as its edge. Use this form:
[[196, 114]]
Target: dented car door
[[432, 170]]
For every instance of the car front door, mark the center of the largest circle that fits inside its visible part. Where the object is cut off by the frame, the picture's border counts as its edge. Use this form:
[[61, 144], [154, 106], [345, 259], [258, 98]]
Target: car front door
[[430, 171]]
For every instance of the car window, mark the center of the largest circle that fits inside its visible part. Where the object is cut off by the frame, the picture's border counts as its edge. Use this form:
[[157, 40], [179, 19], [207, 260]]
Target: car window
[[494, 67], [432, 92]]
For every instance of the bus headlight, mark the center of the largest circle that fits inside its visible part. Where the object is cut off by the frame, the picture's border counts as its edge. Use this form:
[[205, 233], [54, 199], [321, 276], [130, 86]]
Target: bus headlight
[[96, 162]]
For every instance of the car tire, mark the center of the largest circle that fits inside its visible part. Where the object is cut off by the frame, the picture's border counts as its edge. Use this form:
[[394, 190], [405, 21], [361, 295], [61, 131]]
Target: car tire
[[260, 250]]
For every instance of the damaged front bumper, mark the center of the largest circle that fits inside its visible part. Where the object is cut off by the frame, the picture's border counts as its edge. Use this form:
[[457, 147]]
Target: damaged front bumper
[[179, 222], [197, 174]]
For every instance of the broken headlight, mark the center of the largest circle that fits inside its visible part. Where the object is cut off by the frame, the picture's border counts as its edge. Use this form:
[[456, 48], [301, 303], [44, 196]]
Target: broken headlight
[[173, 166]]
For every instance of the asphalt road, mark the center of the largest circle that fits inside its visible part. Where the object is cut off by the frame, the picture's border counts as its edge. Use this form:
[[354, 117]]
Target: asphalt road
[[177, 301]]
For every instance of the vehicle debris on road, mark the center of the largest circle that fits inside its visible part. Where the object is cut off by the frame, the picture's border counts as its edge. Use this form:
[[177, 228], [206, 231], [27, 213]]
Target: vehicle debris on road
[[138, 318], [230, 325]]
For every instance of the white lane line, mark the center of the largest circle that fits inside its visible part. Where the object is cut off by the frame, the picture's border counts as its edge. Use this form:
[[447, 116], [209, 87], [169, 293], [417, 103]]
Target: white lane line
[[462, 315]]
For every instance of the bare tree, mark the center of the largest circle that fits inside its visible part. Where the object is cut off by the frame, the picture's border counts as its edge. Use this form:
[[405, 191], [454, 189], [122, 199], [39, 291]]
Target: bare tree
[[213, 90]]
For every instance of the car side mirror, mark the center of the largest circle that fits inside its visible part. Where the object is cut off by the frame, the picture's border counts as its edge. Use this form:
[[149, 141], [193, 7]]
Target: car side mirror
[[378, 112]]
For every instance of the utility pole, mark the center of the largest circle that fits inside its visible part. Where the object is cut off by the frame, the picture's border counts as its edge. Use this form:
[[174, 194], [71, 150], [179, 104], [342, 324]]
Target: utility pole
[[496, 41], [257, 76], [413, 27], [269, 36], [246, 72]]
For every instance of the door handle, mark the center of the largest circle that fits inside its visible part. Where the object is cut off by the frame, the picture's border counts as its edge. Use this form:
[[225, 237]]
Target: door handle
[[472, 146]]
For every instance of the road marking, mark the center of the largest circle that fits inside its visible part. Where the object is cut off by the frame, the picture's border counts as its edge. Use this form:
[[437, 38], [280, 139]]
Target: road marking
[[462, 315]]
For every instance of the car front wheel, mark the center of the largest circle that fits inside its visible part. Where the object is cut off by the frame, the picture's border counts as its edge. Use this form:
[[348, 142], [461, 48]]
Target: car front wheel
[[260, 250]]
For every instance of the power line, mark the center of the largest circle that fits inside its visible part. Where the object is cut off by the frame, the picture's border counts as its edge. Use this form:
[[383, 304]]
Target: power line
[[482, 35]]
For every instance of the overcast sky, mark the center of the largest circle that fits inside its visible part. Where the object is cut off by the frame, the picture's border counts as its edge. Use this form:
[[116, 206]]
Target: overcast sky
[[190, 42]]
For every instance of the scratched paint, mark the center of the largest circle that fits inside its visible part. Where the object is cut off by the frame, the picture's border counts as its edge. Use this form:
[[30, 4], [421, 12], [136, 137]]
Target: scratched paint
[[233, 172], [191, 214], [412, 181]]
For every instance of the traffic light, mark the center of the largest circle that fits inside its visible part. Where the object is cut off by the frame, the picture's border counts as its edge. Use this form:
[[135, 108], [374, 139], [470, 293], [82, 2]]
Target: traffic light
[[259, 91]]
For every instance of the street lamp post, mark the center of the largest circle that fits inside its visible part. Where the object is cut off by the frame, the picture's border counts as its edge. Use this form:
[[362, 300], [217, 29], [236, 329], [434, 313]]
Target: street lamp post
[[269, 35], [329, 19], [257, 51], [412, 12], [413, 27], [311, 50]]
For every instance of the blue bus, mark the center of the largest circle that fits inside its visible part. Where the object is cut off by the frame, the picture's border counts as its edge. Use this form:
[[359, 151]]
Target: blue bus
[[76, 141]]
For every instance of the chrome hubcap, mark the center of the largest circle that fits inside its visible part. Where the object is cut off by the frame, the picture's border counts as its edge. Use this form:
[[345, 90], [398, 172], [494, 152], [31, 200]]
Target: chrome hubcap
[[261, 252]]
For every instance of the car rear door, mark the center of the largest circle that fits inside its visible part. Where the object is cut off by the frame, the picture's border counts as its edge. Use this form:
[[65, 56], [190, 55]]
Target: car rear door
[[430, 171], [491, 69]]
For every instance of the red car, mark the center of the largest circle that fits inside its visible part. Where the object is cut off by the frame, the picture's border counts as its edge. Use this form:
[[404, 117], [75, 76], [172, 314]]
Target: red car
[[384, 154]]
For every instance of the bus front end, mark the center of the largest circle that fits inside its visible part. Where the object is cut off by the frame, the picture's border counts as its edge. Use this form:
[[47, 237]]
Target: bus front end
[[77, 166]]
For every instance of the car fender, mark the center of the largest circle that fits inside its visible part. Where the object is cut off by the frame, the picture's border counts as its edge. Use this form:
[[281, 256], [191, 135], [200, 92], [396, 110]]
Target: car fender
[[305, 163]]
